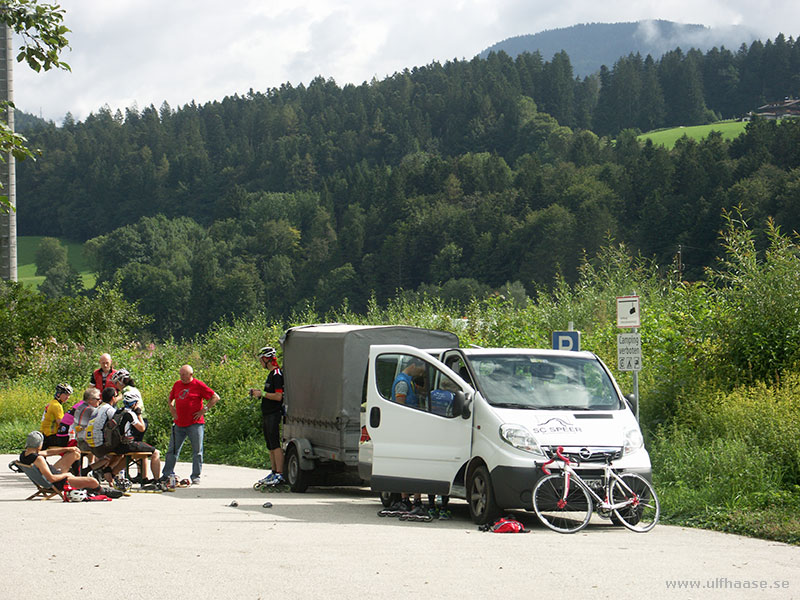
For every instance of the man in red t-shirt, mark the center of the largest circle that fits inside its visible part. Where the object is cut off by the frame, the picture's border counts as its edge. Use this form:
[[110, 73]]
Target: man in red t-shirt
[[188, 414]]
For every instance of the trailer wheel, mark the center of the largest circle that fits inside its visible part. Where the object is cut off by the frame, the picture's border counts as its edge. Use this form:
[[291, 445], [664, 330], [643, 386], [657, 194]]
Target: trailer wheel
[[297, 478]]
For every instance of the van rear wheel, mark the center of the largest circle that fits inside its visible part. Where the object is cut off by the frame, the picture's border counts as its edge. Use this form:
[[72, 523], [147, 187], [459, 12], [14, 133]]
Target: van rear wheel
[[480, 496], [297, 478]]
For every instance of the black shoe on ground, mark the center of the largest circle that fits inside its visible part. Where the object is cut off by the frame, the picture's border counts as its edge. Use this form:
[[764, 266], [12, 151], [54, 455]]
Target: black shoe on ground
[[112, 493]]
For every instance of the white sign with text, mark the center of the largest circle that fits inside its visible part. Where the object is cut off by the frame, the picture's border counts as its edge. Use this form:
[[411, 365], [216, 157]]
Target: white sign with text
[[628, 311], [629, 351]]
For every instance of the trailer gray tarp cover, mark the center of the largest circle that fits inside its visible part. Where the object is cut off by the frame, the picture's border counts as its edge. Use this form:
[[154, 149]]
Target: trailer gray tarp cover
[[325, 365]]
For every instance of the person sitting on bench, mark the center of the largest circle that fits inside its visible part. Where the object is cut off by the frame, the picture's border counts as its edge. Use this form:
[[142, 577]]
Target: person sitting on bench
[[133, 422], [109, 458]]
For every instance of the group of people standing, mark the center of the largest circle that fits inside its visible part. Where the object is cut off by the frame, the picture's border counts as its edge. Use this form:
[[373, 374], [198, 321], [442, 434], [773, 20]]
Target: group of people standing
[[80, 429]]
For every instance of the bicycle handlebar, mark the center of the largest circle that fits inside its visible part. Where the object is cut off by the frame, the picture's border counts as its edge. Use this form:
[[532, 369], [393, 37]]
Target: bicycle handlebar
[[559, 456]]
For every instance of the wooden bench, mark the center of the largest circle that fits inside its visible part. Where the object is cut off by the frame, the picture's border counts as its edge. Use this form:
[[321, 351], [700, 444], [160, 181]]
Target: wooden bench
[[134, 457], [130, 458]]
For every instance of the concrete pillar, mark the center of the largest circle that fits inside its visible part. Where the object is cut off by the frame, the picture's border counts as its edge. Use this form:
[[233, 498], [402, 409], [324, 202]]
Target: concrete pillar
[[8, 220]]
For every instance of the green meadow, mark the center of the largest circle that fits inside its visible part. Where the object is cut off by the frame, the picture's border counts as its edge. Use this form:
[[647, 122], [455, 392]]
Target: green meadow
[[26, 261], [668, 137]]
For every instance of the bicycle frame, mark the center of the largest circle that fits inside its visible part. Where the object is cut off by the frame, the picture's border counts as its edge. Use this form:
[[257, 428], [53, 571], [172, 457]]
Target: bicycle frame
[[609, 477]]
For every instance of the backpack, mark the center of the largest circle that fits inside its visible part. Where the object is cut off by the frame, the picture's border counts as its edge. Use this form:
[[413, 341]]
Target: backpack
[[112, 431], [505, 525]]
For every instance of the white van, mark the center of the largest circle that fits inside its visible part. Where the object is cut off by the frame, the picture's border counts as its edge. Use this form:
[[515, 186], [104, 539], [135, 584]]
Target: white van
[[477, 421]]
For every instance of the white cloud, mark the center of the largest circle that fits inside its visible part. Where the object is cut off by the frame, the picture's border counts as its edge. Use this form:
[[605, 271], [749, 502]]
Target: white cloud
[[148, 51]]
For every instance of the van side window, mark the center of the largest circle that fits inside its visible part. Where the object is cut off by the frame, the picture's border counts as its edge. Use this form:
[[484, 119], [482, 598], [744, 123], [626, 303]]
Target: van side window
[[414, 383], [386, 367]]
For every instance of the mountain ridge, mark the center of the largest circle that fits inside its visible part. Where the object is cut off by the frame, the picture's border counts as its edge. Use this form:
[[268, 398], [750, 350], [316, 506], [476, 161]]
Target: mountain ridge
[[591, 45]]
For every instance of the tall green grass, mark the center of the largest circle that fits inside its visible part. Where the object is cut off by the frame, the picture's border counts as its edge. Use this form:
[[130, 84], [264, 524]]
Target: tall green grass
[[724, 483]]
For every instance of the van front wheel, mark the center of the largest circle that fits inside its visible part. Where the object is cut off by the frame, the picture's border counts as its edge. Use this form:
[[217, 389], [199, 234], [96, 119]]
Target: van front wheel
[[389, 498], [482, 505], [295, 476]]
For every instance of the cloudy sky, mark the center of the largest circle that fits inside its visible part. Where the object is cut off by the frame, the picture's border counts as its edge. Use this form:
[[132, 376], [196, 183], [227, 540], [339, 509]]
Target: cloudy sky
[[141, 52]]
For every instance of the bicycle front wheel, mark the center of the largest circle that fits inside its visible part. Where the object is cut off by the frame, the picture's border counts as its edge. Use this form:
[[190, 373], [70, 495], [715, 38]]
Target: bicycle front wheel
[[641, 511], [564, 513]]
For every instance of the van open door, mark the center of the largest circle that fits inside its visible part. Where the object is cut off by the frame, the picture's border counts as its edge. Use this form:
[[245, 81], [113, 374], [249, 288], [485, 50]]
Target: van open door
[[419, 419]]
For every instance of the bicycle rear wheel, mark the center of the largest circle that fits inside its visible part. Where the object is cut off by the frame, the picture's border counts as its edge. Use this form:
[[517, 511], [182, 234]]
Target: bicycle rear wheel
[[641, 513], [562, 514]]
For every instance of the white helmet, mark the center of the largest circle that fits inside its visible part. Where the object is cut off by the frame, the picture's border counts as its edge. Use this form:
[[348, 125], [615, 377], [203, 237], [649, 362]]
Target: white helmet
[[63, 388], [131, 397], [120, 376], [267, 352], [77, 495]]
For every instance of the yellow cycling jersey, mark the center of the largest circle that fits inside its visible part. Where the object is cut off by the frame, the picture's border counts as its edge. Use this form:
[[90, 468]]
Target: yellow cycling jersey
[[51, 418]]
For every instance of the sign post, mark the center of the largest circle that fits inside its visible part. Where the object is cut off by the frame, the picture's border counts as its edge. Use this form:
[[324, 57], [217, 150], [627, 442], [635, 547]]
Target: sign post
[[629, 345]]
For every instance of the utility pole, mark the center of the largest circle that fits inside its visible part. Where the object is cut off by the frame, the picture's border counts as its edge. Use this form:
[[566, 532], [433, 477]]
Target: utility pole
[[8, 177]]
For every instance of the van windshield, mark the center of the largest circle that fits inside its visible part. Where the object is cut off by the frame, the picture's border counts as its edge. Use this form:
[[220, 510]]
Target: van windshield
[[539, 382]]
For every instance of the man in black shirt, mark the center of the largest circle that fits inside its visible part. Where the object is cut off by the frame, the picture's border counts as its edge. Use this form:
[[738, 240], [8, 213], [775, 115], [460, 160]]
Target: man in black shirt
[[271, 413]]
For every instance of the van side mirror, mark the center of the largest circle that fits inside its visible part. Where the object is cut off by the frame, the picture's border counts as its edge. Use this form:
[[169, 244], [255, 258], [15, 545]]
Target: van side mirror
[[633, 402], [461, 405]]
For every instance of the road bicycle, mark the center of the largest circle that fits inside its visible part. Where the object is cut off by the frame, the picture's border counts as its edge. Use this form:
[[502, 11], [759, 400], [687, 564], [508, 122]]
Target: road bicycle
[[564, 502]]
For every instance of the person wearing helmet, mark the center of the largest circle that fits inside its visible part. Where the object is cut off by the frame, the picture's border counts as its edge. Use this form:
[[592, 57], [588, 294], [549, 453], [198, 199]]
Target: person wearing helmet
[[51, 418], [60, 479], [101, 378], [271, 413], [132, 424], [124, 382]]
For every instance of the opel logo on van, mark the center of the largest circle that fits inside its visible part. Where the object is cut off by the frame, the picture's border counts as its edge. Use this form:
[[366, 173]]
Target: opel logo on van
[[585, 453]]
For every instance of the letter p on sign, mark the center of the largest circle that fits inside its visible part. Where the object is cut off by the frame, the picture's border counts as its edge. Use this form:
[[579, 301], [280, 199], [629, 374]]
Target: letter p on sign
[[567, 340]]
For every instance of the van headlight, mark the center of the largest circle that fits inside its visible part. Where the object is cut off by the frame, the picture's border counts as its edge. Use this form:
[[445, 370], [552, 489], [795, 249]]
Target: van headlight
[[519, 437], [633, 441]]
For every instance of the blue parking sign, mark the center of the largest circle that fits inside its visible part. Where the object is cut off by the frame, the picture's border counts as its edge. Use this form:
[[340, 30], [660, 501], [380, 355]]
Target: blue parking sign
[[567, 340]]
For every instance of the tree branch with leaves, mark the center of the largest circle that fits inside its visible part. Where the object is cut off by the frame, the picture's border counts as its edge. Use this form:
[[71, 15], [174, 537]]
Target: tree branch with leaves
[[44, 37]]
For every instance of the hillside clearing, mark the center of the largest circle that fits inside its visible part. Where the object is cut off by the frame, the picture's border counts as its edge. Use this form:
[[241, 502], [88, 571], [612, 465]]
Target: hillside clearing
[[27, 245], [668, 137]]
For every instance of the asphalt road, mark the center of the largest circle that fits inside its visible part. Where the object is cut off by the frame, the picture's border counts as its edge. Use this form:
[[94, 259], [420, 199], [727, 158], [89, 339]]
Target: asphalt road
[[330, 543]]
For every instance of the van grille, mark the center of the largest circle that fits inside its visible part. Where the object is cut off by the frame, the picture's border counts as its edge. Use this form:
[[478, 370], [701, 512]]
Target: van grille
[[586, 454]]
